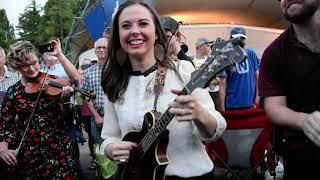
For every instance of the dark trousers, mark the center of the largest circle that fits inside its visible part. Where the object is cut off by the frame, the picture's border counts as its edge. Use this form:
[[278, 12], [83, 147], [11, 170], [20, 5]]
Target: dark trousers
[[86, 120], [302, 164], [76, 151]]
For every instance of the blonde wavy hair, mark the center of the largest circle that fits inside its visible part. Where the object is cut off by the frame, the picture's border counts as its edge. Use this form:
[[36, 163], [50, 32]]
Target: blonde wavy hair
[[19, 53]]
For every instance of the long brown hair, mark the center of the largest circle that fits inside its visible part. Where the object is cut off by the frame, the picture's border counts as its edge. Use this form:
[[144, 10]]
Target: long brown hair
[[115, 74]]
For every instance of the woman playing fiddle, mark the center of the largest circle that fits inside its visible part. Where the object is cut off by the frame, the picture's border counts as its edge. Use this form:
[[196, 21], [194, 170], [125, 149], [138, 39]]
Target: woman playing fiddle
[[129, 83], [32, 133]]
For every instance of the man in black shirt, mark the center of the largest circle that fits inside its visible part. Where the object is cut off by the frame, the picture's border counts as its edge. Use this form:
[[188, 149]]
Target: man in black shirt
[[289, 83]]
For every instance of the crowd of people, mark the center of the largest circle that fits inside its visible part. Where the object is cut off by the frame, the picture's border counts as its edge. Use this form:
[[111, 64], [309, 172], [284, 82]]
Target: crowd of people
[[143, 66]]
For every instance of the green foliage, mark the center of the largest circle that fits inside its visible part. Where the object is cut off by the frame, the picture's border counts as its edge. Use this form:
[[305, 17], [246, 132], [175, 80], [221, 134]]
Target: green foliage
[[58, 17], [6, 30], [29, 22], [78, 5], [54, 23]]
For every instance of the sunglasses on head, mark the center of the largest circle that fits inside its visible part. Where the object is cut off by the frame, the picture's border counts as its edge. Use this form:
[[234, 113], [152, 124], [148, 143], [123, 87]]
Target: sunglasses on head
[[85, 66]]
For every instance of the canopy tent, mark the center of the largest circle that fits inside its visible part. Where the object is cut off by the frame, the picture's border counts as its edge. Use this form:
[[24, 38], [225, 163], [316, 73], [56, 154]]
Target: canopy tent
[[97, 14], [259, 13]]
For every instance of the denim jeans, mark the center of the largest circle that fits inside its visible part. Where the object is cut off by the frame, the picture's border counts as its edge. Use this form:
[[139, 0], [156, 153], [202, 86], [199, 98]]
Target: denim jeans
[[96, 132]]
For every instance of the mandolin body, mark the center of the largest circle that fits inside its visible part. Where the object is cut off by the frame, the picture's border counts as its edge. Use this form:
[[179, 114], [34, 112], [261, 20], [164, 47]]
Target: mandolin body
[[150, 166]]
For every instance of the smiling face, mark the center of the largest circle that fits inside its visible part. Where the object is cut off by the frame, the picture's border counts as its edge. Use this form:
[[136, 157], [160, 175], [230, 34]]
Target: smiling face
[[137, 31], [299, 11], [22, 57], [101, 52]]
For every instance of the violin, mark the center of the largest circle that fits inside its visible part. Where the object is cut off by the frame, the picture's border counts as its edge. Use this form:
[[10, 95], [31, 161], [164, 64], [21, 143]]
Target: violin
[[52, 85]]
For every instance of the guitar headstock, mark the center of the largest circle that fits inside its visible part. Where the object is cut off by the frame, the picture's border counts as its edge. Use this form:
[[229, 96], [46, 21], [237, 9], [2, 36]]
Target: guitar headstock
[[223, 54]]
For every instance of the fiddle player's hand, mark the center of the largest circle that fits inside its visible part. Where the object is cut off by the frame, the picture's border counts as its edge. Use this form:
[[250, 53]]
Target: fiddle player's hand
[[67, 91], [185, 107], [119, 152], [311, 127], [9, 157]]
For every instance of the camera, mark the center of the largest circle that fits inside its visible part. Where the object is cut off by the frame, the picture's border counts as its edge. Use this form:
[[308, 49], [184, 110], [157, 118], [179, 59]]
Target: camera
[[45, 48]]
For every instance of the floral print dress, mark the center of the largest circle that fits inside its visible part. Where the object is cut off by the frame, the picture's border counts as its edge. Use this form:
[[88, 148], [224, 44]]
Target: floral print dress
[[46, 152]]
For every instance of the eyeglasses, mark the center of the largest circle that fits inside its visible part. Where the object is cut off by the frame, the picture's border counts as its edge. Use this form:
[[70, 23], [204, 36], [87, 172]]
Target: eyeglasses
[[26, 67], [101, 47]]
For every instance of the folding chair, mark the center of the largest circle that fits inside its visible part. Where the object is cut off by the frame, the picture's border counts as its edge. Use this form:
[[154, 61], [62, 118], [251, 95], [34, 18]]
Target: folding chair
[[245, 145]]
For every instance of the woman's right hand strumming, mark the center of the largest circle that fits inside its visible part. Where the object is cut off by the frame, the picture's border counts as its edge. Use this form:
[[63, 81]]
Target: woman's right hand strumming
[[9, 156]]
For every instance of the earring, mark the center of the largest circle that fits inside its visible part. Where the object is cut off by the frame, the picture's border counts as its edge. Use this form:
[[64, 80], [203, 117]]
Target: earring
[[121, 56], [159, 51]]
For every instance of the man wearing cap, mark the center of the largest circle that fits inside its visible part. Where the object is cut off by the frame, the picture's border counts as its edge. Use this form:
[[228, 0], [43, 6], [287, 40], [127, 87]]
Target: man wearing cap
[[171, 28], [238, 85], [202, 51]]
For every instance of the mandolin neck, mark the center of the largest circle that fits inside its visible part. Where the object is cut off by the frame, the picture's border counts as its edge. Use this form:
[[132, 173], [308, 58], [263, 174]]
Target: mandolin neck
[[159, 126]]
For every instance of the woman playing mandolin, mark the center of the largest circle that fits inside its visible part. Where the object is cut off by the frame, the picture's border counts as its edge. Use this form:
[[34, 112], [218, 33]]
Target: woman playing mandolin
[[138, 78], [33, 137]]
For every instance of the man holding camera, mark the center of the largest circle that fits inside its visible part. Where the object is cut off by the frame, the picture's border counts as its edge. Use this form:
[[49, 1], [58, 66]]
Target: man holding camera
[[57, 64]]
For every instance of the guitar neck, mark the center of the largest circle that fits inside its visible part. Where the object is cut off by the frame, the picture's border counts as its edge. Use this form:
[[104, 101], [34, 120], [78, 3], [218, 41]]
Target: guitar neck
[[166, 117]]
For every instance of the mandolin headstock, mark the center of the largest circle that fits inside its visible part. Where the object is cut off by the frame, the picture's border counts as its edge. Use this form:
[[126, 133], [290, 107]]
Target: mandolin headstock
[[223, 54]]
